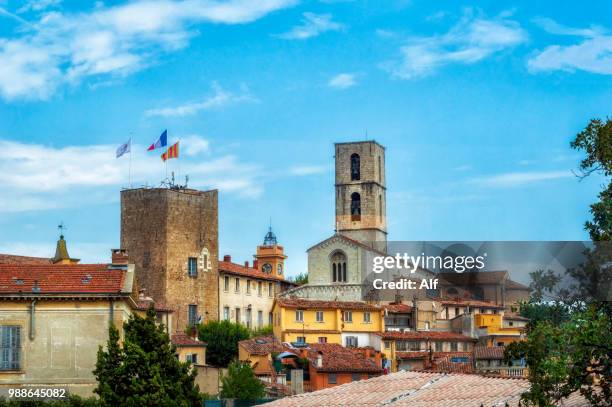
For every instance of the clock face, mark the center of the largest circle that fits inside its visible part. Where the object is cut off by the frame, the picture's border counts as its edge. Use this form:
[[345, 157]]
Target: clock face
[[267, 268], [280, 269]]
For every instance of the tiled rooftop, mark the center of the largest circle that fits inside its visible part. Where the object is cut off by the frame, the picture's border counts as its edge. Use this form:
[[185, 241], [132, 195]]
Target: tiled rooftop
[[241, 270], [16, 260], [182, 339], [337, 358], [487, 353], [425, 335], [42, 279], [263, 345], [318, 304], [398, 308], [420, 389]]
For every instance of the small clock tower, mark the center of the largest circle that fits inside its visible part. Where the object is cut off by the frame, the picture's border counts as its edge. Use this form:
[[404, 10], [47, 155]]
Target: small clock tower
[[270, 257]]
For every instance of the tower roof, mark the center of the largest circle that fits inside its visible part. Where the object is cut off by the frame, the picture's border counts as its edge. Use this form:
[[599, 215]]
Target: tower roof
[[61, 253], [270, 238]]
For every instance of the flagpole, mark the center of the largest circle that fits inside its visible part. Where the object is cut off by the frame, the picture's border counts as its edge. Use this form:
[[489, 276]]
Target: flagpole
[[178, 159]]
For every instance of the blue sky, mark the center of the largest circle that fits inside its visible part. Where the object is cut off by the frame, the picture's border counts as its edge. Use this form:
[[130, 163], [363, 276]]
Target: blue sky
[[476, 104]]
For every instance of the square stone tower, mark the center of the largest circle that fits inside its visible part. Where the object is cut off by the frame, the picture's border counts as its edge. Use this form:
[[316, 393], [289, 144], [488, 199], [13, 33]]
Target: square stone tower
[[361, 192], [172, 237]]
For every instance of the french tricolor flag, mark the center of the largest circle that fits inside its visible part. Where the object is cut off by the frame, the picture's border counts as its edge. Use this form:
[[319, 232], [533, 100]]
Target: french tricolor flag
[[162, 141]]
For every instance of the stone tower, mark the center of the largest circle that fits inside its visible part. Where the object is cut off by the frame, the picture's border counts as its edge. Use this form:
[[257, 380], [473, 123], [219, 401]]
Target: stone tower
[[361, 193], [171, 235]]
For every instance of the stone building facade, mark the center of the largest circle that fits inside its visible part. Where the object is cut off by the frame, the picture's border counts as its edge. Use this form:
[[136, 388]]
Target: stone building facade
[[171, 235]]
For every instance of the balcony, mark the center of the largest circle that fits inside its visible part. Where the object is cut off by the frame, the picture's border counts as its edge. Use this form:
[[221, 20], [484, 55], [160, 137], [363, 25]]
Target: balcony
[[504, 371]]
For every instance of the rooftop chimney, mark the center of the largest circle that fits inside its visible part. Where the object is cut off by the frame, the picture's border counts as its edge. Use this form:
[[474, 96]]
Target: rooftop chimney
[[227, 258], [255, 264], [119, 256], [246, 264]]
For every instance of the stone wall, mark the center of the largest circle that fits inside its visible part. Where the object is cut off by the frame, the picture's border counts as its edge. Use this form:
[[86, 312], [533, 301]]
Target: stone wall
[[161, 229], [372, 226]]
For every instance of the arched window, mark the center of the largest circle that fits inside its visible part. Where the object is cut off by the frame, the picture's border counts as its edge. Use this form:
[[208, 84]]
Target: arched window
[[355, 170], [338, 263], [355, 206]]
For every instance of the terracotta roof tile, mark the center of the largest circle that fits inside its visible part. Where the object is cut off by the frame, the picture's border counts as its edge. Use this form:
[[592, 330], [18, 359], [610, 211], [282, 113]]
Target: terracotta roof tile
[[453, 362], [337, 358], [460, 302], [263, 345], [241, 270], [182, 339], [487, 353], [425, 335], [416, 389], [16, 260], [398, 308], [65, 279], [319, 304]]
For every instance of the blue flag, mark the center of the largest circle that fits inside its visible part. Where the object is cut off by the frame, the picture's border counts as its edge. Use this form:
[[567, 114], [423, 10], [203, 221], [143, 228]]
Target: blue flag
[[162, 141], [124, 148]]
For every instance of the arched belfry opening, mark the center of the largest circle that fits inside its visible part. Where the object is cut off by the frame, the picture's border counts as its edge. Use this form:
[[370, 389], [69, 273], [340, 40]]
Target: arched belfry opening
[[338, 267], [355, 167], [355, 206]]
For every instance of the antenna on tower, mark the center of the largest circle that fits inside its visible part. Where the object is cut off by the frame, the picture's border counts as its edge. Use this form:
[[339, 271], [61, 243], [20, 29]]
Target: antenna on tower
[[61, 227]]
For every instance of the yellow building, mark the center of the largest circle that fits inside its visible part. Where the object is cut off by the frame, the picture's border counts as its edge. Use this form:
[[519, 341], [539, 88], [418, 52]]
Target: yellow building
[[314, 321], [491, 331]]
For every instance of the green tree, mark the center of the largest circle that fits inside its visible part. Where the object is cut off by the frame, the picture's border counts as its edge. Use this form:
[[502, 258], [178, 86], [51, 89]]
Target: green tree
[[222, 339], [144, 369], [300, 279], [240, 383], [574, 356], [596, 141]]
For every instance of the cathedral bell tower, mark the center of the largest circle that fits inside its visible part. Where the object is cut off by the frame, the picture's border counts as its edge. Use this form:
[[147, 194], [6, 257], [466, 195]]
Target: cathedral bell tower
[[361, 193], [270, 257]]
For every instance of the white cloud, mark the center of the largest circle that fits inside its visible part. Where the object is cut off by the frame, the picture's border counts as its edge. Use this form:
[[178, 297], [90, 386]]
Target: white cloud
[[312, 26], [194, 145], [472, 39], [65, 48], [37, 177], [38, 5], [219, 98], [593, 54], [515, 179], [342, 81], [302, 170]]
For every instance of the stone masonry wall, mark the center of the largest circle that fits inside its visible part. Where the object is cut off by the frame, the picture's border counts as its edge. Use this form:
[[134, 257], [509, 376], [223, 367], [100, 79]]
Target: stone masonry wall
[[161, 228]]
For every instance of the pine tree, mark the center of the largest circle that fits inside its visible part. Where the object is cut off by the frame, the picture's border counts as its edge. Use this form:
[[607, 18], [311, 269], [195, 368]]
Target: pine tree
[[240, 383], [144, 370]]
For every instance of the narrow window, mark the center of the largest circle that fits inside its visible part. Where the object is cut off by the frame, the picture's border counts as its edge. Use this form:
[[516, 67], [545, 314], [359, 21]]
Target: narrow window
[[237, 289], [348, 316], [270, 318], [248, 318], [260, 319], [380, 170], [380, 209], [238, 315], [270, 290], [355, 206], [226, 313], [319, 316], [192, 267], [226, 283], [299, 315], [453, 346], [301, 339], [355, 170], [366, 317], [338, 266], [193, 314], [248, 287], [331, 378], [10, 347], [438, 346], [351, 342], [387, 344], [322, 339], [259, 289]]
